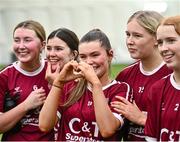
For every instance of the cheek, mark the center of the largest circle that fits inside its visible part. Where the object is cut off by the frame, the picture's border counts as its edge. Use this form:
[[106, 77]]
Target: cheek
[[15, 47], [103, 61]]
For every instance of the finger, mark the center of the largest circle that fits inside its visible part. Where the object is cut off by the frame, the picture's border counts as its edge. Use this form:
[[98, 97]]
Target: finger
[[122, 99], [58, 69], [119, 111], [48, 68], [119, 105]]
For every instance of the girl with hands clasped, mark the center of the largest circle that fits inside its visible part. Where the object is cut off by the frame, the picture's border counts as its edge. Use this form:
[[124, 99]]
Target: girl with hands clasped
[[83, 106], [23, 88], [148, 68]]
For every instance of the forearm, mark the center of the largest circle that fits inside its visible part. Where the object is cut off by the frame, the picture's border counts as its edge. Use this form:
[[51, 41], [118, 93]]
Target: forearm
[[11, 117], [106, 121], [48, 113]]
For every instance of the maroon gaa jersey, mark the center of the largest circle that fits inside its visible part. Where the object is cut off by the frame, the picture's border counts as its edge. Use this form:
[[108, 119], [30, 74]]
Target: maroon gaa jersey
[[140, 81], [19, 83], [163, 122], [78, 122]]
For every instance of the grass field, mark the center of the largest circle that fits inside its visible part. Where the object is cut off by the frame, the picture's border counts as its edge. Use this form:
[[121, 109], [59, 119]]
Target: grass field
[[116, 68]]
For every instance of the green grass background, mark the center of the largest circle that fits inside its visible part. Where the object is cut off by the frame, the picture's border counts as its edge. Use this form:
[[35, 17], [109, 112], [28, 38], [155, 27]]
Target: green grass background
[[115, 69]]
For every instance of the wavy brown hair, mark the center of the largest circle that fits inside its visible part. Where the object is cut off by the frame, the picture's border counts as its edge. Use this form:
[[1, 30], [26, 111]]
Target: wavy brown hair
[[93, 35]]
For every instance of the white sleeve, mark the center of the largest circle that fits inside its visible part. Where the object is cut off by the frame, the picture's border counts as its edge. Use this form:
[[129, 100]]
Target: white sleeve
[[150, 139], [120, 118], [58, 115]]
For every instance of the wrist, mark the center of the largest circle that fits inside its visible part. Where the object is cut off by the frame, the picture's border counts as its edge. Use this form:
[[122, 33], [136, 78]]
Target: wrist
[[143, 118], [58, 84]]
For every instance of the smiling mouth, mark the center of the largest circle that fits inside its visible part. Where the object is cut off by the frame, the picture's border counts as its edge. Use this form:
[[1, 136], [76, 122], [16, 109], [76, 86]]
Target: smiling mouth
[[167, 57], [23, 53]]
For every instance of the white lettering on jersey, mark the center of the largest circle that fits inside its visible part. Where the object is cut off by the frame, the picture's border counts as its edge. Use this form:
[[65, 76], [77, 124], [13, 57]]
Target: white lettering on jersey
[[141, 89], [170, 133], [71, 125], [176, 107], [89, 103], [17, 90], [35, 87], [85, 127]]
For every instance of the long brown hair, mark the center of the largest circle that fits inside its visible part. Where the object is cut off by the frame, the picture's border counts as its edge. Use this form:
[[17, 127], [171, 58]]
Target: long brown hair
[[93, 35]]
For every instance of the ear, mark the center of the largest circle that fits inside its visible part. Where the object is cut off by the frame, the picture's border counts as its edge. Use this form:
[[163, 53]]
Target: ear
[[75, 53], [43, 45], [110, 54]]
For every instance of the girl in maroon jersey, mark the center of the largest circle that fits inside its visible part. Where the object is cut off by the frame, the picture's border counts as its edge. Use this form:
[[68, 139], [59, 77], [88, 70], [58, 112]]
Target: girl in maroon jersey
[[62, 46], [149, 67], [84, 106], [164, 100], [23, 88]]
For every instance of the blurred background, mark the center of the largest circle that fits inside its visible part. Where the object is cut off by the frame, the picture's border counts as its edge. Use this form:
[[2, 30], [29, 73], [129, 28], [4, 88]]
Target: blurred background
[[80, 16]]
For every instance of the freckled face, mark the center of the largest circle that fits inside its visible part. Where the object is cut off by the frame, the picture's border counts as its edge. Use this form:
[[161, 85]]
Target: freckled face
[[27, 46], [169, 45]]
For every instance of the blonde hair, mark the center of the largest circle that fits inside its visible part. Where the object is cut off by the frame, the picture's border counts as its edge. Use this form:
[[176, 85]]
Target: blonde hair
[[149, 20], [35, 26]]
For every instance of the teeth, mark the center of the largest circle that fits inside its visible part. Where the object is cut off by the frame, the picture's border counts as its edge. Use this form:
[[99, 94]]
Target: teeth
[[22, 53]]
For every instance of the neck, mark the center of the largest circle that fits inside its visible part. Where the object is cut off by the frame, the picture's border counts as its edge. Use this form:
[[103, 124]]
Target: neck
[[105, 80], [177, 77], [30, 67], [152, 62]]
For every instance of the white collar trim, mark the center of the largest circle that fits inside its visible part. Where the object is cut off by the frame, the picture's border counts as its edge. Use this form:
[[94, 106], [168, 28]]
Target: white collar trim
[[36, 72], [150, 72]]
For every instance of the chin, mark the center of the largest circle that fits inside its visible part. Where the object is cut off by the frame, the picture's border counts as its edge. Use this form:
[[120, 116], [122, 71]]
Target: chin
[[171, 66]]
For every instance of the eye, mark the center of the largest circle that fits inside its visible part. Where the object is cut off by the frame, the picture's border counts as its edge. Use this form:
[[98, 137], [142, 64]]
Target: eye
[[95, 55], [137, 35], [27, 39], [82, 56], [159, 42], [127, 34], [170, 41], [58, 48], [16, 40], [49, 48]]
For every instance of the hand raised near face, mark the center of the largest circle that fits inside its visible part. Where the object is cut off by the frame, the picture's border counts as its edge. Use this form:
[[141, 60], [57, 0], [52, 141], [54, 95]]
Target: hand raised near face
[[50, 75], [87, 71], [69, 72]]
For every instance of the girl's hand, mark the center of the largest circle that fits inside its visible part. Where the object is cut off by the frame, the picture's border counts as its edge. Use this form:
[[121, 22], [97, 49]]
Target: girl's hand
[[35, 99], [50, 76], [88, 72], [69, 72], [129, 110]]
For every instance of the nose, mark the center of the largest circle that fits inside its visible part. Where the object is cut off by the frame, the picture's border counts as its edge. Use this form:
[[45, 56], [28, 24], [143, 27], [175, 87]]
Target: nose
[[163, 47], [89, 60], [129, 40], [21, 45], [52, 52]]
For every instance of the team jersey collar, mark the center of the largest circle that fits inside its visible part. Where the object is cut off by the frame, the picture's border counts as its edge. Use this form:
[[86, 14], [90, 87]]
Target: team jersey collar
[[173, 82], [36, 72], [104, 87], [150, 72]]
